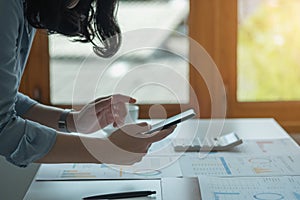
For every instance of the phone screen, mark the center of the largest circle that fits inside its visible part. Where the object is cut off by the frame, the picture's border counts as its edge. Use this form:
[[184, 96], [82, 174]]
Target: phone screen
[[188, 114]]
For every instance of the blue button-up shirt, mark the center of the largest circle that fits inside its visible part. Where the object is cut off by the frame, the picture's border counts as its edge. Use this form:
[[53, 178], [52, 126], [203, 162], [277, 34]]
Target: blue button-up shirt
[[21, 141]]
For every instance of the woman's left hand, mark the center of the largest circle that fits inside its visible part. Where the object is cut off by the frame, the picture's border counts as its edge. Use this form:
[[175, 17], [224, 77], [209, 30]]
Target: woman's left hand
[[100, 113]]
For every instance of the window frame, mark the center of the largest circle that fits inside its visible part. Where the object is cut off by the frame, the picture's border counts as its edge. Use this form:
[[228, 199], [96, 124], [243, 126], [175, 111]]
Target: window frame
[[215, 27], [36, 77]]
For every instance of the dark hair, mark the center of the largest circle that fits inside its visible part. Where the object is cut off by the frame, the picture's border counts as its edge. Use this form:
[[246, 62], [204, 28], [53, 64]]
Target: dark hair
[[88, 21]]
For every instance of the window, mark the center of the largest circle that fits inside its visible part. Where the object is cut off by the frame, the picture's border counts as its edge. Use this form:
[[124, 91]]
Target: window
[[268, 61], [145, 71]]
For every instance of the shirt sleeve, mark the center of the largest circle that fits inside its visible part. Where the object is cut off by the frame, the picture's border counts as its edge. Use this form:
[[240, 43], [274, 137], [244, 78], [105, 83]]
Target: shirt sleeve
[[21, 141], [23, 104]]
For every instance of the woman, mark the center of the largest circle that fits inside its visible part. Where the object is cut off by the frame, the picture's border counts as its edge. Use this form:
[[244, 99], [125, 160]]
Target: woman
[[32, 132]]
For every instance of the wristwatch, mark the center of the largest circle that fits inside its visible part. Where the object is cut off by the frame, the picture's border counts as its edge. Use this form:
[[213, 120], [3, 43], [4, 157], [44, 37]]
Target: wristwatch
[[62, 122]]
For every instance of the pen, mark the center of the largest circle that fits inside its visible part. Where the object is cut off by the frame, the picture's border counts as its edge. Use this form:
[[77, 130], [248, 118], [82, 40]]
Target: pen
[[122, 195]]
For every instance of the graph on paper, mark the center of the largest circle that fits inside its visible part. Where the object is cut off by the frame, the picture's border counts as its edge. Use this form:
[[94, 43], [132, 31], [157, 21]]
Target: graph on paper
[[149, 169], [262, 147], [192, 166], [246, 188]]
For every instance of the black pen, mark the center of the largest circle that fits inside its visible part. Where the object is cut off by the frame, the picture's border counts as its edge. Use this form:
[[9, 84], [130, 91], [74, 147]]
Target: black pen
[[122, 195]]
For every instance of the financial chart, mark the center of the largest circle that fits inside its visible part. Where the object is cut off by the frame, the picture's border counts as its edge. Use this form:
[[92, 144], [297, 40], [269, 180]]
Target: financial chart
[[254, 188], [252, 165]]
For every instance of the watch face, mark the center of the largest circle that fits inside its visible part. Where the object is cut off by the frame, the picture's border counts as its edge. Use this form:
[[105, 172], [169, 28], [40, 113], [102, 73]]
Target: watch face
[[61, 124]]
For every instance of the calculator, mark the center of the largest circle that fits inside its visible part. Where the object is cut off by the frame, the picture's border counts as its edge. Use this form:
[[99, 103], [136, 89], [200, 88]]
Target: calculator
[[222, 143]]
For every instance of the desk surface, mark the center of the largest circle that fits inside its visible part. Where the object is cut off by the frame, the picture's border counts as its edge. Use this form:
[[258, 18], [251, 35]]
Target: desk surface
[[188, 187]]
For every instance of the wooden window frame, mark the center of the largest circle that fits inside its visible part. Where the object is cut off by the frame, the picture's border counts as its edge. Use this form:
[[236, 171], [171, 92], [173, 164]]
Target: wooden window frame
[[36, 78], [213, 24]]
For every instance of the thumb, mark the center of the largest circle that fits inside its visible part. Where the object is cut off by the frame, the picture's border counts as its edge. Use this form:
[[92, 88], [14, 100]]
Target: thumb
[[136, 129], [159, 135]]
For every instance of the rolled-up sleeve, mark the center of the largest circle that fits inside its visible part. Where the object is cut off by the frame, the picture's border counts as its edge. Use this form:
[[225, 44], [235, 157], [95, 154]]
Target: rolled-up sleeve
[[21, 141], [23, 104]]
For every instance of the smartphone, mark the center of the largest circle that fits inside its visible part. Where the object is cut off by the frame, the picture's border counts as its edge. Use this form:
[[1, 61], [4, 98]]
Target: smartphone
[[188, 114], [221, 143]]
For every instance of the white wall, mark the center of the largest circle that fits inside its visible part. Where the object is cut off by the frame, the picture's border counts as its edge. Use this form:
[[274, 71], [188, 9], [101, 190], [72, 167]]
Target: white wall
[[14, 181]]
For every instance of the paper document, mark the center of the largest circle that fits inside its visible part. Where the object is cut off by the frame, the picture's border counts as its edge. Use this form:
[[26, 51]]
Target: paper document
[[250, 188], [152, 170], [254, 165], [261, 147], [77, 190]]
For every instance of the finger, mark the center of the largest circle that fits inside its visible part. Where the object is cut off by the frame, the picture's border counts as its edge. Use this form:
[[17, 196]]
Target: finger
[[117, 98], [119, 113], [101, 98], [120, 109], [159, 135], [104, 104], [136, 130], [105, 119], [107, 102], [118, 123], [144, 125]]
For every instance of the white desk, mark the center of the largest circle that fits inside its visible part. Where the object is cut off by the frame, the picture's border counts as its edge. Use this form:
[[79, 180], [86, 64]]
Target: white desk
[[167, 188]]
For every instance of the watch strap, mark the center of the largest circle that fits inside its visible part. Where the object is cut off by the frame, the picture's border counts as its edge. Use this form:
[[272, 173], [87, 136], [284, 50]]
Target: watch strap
[[62, 122]]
